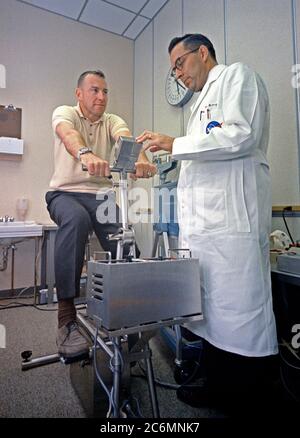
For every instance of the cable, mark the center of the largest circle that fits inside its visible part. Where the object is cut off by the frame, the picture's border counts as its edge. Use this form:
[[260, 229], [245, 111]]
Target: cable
[[18, 296], [287, 362], [294, 397], [15, 304], [126, 408], [99, 378], [38, 255], [22, 291], [138, 407], [111, 366], [285, 344], [285, 223]]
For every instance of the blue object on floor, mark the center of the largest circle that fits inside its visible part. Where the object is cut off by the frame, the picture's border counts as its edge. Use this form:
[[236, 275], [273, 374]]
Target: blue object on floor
[[191, 349]]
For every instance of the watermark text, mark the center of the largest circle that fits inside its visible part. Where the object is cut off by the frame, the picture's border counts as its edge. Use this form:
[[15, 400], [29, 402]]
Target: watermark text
[[2, 76], [2, 336], [296, 338]]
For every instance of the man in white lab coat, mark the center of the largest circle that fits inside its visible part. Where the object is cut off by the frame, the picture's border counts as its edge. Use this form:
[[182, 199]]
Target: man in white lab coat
[[224, 213]]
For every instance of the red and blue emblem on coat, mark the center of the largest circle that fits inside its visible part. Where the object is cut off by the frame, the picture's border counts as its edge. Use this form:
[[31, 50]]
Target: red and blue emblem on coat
[[211, 125]]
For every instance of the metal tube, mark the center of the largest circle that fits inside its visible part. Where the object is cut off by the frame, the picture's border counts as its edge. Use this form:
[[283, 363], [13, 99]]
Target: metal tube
[[116, 376], [13, 248], [123, 199], [40, 361], [3, 265], [151, 385], [178, 335], [119, 249], [92, 332], [35, 270]]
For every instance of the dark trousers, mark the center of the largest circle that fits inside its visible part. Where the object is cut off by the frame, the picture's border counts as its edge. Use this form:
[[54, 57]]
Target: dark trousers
[[76, 217], [239, 377]]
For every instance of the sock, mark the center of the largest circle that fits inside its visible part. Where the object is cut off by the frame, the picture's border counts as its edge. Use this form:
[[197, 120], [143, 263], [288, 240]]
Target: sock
[[66, 312]]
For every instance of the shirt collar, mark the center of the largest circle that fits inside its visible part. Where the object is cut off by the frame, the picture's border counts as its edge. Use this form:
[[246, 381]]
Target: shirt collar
[[215, 72], [213, 75], [78, 109]]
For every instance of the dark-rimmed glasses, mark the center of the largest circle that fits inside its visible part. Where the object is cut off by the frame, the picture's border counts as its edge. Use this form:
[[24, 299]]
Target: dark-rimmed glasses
[[180, 61]]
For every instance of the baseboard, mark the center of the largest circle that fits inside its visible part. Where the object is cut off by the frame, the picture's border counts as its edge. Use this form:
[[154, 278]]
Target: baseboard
[[8, 293]]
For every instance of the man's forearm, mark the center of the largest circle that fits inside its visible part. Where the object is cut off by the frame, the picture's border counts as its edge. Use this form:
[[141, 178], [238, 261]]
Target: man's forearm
[[73, 141], [143, 157]]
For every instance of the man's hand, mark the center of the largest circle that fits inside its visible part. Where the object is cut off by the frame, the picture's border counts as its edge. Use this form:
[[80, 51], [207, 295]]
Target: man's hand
[[156, 142], [144, 169], [95, 166], [73, 141]]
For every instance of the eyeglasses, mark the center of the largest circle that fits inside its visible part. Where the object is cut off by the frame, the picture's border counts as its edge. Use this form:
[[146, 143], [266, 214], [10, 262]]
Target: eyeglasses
[[180, 61]]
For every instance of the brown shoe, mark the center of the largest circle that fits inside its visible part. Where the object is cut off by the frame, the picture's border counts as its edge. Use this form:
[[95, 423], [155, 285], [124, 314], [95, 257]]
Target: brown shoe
[[70, 341]]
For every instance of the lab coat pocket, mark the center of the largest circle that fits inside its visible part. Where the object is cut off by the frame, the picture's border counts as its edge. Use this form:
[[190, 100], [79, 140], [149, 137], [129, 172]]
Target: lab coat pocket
[[213, 118], [209, 211], [238, 205]]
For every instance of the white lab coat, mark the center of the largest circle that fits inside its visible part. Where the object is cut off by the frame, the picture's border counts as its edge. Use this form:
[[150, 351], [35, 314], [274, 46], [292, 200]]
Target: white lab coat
[[224, 210]]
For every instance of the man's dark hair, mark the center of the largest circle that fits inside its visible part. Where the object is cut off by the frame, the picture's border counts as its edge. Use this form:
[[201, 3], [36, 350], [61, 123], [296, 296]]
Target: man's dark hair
[[192, 41], [89, 72]]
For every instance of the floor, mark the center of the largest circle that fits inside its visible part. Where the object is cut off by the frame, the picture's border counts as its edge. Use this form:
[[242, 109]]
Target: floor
[[47, 392]]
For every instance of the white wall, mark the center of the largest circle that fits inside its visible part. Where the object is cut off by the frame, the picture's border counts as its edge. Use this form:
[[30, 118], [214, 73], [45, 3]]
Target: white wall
[[202, 15], [267, 46], [259, 33], [43, 55], [143, 113]]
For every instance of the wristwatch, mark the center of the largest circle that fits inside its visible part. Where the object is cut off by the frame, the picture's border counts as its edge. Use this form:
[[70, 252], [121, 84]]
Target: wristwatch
[[83, 150]]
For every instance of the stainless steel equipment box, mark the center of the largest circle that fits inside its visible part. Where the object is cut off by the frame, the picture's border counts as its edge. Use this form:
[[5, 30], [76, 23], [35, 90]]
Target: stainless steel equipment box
[[128, 294], [126, 154]]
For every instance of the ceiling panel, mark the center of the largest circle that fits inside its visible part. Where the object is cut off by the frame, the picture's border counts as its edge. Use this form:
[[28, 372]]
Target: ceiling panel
[[123, 17], [63, 7], [152, 7], [106, 16], [132, 5], [136, 27]]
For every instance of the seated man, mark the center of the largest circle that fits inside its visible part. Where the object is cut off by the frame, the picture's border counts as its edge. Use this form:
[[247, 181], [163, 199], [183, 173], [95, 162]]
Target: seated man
[[84, 135]]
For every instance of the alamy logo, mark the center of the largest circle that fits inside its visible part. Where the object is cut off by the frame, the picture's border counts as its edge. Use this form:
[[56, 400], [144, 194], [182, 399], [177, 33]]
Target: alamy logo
[[296, 78], [296, 338], [2, 336], [2, 76]]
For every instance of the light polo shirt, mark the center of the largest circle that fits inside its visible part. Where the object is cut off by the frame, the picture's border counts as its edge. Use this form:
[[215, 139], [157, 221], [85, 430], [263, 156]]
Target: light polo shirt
[[99, 136]]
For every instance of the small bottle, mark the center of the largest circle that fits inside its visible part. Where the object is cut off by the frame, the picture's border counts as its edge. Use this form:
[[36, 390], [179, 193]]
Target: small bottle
[[22, 208]]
